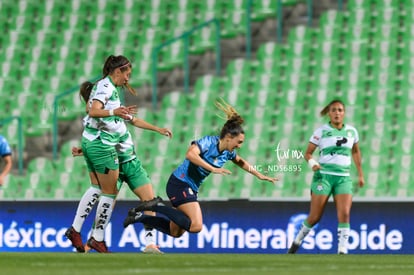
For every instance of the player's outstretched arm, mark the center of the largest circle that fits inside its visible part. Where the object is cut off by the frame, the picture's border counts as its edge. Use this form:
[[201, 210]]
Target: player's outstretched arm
[[140, 123]]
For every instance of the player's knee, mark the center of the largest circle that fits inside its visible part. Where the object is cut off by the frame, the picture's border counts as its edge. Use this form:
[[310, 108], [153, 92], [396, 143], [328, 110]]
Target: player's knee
[[195, 227], [177, 233]]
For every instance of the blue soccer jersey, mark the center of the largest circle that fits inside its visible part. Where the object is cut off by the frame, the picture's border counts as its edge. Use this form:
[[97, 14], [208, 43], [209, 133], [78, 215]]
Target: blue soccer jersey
[[194, 175], [4, 147]]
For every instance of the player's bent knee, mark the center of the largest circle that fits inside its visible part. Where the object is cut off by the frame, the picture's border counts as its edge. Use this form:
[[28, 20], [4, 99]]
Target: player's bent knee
[[177, 233], [196, 228]]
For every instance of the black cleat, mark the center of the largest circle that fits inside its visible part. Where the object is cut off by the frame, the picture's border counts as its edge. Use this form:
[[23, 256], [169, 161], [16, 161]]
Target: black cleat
[[132, 219], [147, 205], [132, 212], [293, 248]]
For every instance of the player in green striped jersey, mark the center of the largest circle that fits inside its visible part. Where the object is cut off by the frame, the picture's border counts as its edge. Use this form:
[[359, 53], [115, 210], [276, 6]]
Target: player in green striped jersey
[[104, 128], [338, 143]]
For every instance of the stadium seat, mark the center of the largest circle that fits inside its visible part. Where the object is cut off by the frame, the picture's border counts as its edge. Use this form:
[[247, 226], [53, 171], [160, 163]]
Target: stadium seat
[[360, 55], [41, 164], [15, 188]]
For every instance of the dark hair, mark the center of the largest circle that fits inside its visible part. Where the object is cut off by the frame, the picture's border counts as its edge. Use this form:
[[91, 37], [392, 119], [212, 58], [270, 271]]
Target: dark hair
[[85, 90], [325, 110], [111, 64], [234, 120], [114, 62]]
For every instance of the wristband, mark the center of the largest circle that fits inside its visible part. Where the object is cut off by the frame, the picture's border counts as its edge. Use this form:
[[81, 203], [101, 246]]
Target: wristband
[[312, 162], [111, 112]]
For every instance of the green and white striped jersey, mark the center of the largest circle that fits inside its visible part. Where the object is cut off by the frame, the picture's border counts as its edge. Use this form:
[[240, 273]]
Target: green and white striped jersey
[[335, 148], [125, 148], [110, 129]]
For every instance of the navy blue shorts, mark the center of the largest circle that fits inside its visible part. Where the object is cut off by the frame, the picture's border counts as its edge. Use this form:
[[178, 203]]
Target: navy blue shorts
[[179, 192]]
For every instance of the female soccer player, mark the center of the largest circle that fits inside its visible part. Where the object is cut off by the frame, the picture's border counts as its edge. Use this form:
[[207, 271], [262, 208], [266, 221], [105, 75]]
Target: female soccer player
[[5, 153], [337, 142], [204, 156], [104, 129], [131, 172]]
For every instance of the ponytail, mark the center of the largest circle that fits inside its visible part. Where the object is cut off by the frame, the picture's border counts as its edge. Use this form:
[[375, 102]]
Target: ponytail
[[85, 90], [234, 120]]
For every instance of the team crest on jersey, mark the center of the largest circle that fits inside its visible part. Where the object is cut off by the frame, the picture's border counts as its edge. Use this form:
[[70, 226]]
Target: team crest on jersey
[[349, 133], [319, 187], [115, 95]]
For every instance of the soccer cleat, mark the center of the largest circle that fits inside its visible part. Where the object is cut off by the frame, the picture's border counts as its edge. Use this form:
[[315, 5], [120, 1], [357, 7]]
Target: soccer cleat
[[98, 246], [342, 250], [148, 205], [75, 238], [133, 219], [293, 248], [132, 212], [152, 249]]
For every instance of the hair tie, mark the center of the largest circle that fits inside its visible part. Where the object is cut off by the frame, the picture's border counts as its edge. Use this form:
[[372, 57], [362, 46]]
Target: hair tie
[[125, 65]]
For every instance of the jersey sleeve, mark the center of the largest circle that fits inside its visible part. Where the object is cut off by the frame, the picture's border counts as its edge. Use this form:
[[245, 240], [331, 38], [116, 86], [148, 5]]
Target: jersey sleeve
[[102, 94], [203, 144], [356, 140], [316, 137], [5, 149]]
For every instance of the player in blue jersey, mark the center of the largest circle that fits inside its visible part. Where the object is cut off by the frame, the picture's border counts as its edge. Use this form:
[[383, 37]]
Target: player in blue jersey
[[5, 154], [338, 143], [205, 156]]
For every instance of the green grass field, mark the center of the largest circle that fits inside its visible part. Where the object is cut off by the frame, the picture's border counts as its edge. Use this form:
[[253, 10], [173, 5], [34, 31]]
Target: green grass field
[[200, 264]]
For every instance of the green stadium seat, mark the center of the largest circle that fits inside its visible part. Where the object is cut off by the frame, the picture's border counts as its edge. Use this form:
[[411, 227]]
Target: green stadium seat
[[209, 9], [262, 9], [203, 40], [172, 56], [271, 51], [332, 18], [389, 15], [240, 67], [76, 189], [142, 74], [41, 164], [234, 25], [328, 33], [44, 189], [385, 5], [359, 17], [15, 188], [9, 184], [353, 5], [183, 21]]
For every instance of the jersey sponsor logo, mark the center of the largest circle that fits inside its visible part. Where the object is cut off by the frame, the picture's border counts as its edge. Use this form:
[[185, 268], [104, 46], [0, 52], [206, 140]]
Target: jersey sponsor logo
[[341, 141]]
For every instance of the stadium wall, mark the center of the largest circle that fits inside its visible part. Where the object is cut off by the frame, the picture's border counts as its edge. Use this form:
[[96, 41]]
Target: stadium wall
[[238, 226]]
